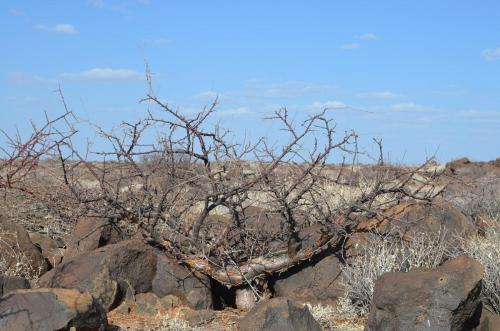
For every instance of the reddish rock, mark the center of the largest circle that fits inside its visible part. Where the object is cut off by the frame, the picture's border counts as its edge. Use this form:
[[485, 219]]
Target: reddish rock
[[444, 298]]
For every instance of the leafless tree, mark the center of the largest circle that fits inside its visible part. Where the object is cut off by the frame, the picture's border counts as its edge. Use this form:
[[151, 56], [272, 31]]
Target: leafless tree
[[21, 155], [190, 187]]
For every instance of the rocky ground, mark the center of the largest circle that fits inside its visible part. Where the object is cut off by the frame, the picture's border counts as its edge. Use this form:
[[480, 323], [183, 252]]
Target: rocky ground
[[89, 275]]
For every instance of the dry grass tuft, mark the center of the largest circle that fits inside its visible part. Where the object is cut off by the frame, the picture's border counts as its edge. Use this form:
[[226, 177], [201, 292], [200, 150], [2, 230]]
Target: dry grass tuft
[[486, 249], [386, 254], [13, 262]]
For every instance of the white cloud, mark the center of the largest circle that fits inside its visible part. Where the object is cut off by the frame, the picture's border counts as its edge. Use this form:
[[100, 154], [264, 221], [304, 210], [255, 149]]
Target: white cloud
[[350, 46], [491, 54], [451, 92], [58, 28], [16, 12], [331, 104], [95, 74], [25, 79], [369, 36], [290, 89], [104, 74], [235, 111], [160, 41], [381, 95], [479, 115], [207, 95], [410, 106], [103, 4], [119, 6]]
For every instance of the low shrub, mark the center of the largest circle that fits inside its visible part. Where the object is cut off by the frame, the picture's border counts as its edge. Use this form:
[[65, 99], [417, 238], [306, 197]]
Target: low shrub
[[13, 262], [486, 249], [383, 254]]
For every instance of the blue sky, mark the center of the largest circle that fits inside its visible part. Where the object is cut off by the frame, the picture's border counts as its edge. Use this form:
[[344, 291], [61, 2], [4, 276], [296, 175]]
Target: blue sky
[[422, 75]]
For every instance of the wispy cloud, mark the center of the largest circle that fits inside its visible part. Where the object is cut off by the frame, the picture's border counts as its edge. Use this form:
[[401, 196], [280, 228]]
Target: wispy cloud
[[244, 110], [333, 105], [104, 74], [207, 95], [95, 74], [479, 115], [330, 104], [369, 36], [451, 92], [289, 89], [350, 46], [19, 78], [410, 106], [101, 4], [158, 41], [385, 95], [16, 12], [491, 54], [58, 28], [118, 6]]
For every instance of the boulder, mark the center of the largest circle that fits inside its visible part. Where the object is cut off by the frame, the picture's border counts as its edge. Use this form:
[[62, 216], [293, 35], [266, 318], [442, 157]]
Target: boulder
[[245, 298], [18, 252], [489, 321], [147, 304], [314, 283], [148, 312], [101, 271], [49, 248], [91, 233], [412, 218], [109, 273], [174, 279], [50, 309], [279, 314], [9, 284], [444, 298]]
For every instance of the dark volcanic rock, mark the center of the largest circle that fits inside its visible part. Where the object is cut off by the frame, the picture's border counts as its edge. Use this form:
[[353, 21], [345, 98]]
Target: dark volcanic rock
[[315, 283], [413, 218], [91, 233], [50, 250], [109, 272], [279, 314], [9, 284], [100, 271], [444, 298], [173, 279], [50, 309], [489, 321]]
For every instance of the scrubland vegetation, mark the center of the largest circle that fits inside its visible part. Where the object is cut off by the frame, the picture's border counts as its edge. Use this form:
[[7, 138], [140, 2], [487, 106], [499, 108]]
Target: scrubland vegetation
[[236, 211]]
